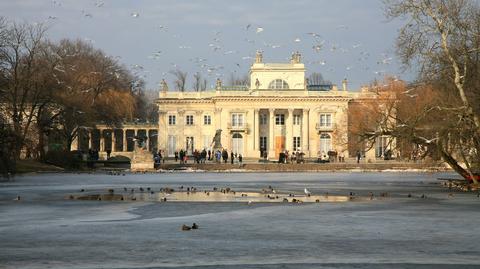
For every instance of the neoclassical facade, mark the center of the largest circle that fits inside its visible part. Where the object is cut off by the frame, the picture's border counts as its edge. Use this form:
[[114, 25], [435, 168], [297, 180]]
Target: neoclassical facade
[[277, 112]]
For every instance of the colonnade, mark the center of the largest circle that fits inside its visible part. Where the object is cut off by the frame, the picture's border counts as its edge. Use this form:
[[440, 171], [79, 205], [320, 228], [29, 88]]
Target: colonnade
[[104, 139]]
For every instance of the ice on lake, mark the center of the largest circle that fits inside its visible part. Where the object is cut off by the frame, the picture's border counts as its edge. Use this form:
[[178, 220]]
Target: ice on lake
[[45, 230]]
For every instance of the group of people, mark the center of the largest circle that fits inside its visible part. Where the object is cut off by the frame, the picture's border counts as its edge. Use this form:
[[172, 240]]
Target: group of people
[[208, 155], [294, 157], [331, 156]]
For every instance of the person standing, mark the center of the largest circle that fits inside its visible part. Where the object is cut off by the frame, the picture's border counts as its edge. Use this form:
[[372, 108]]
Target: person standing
[[240, 159], [359, 155], [182, 155], [209, 155], [232, 157], [225, 155], [176, 156]]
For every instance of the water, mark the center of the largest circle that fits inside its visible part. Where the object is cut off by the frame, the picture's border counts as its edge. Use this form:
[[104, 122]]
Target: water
[[45, 230]]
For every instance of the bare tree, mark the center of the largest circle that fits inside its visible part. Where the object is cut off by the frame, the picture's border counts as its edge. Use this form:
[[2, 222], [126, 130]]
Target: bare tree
[[204, 85], [443, 38], [197, 81], [317, 79], [93, 88], [22, 90], [180, 79], [236, 80]]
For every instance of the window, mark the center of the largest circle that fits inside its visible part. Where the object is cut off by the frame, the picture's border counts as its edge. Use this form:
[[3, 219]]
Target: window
[[263, 119], [207, 119], [263, 143], [280, 119], [237, 119], [296, 142], [189, 120], [172, 119], [297, 120], [325, 120], [278, 84]]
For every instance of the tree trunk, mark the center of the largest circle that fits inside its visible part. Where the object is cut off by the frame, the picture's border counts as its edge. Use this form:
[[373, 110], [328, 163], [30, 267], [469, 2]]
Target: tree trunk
[[453, 163]]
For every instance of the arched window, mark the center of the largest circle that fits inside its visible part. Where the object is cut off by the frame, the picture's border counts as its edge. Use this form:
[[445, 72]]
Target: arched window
[[278, 84], [237, 135]]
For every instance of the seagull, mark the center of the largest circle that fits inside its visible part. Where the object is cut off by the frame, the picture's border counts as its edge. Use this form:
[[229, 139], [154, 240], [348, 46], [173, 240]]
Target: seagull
[[135, 14], [307, 192], [315, 35], [259, 30], [248, 27], [297, 39]]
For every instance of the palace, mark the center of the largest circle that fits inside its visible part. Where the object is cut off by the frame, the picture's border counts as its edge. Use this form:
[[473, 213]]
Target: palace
[[278, 111]]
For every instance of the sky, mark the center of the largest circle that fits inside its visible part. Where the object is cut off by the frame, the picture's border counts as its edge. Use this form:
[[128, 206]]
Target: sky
[[340, 39]]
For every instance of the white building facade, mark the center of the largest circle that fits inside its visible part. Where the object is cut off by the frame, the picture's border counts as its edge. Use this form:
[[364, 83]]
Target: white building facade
[[277, 112]]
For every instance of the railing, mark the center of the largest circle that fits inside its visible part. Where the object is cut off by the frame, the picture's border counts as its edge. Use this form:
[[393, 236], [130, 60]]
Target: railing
[[235, 88], [319, 127], [242, 127]]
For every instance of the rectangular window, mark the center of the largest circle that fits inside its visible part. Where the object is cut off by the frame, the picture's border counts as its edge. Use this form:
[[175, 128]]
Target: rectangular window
[[189, 120], [280, 119], [296, 142], [325, 120], [263, 119], [263, 143], [207, 119], [172, 119], [237, 119], [297, 120]]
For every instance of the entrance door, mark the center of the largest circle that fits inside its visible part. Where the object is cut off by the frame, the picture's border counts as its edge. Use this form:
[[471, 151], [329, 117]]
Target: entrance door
[[237, 143], [325, 144], [279, 145], [172, 145]]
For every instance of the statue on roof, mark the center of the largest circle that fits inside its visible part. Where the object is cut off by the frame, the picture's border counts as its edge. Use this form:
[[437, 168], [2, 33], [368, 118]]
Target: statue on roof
[[296, 58], [164, 85], [258, 57]]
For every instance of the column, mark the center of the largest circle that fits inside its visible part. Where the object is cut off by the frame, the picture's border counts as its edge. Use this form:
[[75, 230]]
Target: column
[[124, 145], [181, 129], [102, 141], [135, 134], [198, 137], [147, 140], [113, 140], [305, 124], [256, 130], [89, 134], [162, 134], [289, 131], [271, 133]]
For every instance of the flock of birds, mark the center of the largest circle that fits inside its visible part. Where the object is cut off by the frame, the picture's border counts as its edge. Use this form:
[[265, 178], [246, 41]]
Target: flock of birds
[[361, 59]]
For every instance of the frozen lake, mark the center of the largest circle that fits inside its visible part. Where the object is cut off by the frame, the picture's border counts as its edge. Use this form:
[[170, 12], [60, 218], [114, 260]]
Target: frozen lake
[[45, 230]]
